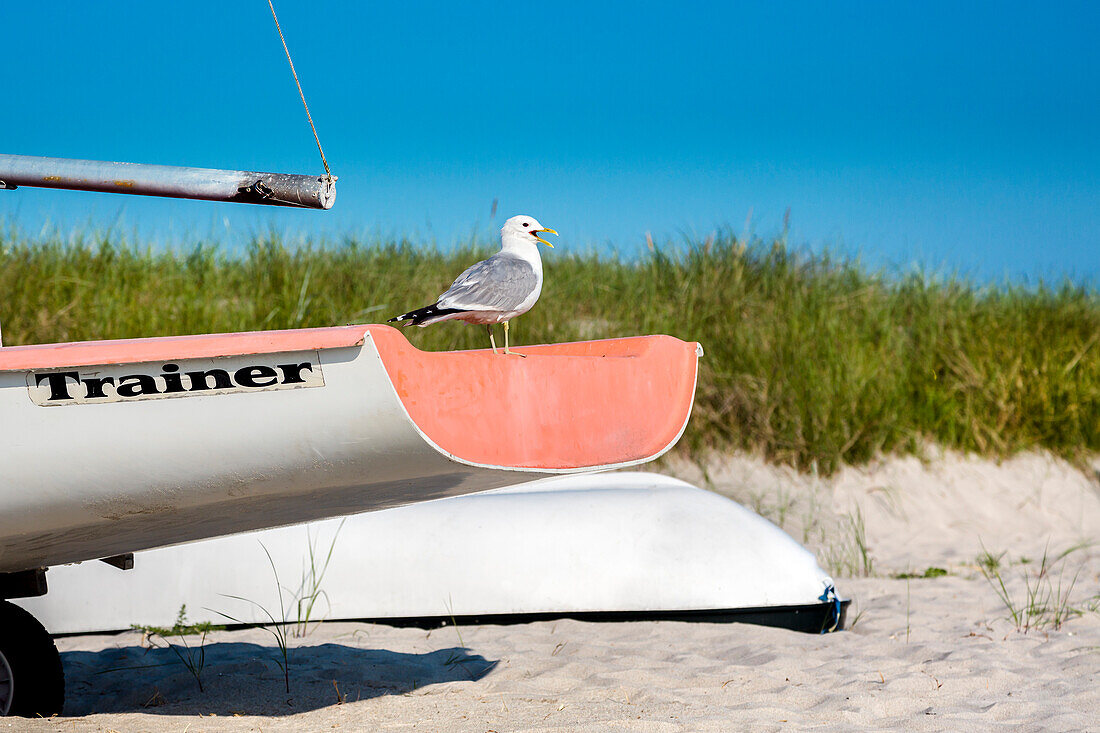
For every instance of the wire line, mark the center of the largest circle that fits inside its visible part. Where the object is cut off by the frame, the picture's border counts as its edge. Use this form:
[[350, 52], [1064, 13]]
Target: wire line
[[324, 161]]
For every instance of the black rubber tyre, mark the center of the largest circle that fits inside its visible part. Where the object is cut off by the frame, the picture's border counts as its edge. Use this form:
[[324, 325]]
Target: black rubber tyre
[[37, 685]]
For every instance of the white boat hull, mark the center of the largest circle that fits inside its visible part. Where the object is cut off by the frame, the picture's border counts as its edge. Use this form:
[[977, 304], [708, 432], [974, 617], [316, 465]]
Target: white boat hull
[[613, 544]]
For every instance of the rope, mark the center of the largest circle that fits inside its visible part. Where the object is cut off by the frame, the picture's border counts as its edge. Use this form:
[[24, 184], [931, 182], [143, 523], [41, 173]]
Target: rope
[[324, 161], [833, 620]]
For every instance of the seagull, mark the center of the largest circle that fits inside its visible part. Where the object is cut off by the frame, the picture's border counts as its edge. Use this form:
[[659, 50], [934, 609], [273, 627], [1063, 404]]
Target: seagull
[[495, 290]]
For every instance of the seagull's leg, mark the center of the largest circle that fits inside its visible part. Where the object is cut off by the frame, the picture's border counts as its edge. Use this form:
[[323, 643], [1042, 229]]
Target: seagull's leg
[[489, 328], [506, 351]]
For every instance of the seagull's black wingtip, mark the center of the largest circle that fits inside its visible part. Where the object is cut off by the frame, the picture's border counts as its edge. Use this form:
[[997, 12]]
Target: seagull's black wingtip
[[418, 316]]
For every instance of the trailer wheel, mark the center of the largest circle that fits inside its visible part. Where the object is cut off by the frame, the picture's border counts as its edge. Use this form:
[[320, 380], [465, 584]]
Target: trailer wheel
[[32, 682]]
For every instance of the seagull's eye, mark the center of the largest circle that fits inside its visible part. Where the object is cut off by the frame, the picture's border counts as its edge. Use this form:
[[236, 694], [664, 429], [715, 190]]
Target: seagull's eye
[[526, 224]]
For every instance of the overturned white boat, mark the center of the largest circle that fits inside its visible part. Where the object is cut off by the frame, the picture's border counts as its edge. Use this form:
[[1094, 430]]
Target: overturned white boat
[[620, 545]]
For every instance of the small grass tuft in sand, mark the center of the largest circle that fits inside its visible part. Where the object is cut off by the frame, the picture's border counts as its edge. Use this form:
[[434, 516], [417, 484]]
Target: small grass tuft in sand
[[193, 657], [1045, 599]]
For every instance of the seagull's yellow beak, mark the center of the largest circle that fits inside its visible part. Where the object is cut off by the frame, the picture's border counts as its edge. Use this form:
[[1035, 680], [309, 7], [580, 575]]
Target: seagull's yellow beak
[[536, 233]]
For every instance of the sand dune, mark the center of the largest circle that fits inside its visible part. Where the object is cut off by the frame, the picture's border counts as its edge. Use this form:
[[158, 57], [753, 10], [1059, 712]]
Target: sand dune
[[942, 510], [924, 653]]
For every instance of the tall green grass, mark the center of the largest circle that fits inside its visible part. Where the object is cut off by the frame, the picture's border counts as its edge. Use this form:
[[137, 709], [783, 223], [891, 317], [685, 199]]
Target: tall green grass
[[810, 360]]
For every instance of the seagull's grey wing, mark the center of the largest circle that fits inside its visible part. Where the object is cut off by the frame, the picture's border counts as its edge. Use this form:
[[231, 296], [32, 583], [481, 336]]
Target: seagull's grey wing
[[500, 283]]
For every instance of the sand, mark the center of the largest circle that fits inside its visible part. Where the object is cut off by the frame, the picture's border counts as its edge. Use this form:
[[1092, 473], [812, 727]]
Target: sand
[[935, 653]]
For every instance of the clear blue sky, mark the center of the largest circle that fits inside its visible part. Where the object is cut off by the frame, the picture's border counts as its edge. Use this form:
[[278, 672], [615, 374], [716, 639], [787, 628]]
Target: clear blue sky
[[965, 136]]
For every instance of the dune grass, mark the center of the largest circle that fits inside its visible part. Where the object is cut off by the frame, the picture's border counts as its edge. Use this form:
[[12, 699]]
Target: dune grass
[[810, 360], [1046, 599]]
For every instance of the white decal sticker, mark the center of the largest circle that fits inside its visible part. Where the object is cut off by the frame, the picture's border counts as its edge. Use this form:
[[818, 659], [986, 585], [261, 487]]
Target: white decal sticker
[[159, 380]]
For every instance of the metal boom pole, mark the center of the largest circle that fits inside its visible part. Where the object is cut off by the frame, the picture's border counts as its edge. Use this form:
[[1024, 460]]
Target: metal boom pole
[[207, 184]]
